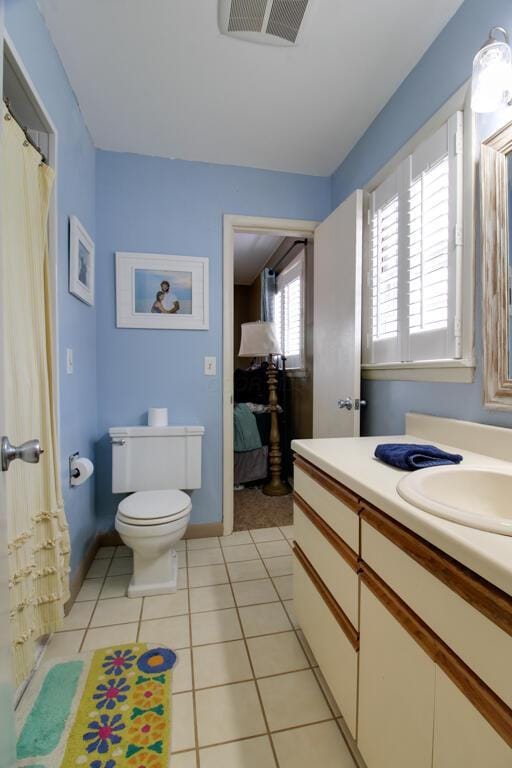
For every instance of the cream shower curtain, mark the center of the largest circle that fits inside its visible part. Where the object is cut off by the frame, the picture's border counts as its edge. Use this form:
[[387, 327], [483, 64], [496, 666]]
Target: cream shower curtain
[[38, 535]]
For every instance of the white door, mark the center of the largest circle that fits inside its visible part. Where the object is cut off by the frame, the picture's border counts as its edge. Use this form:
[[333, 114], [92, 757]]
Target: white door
[[337, 320], [7, 735]]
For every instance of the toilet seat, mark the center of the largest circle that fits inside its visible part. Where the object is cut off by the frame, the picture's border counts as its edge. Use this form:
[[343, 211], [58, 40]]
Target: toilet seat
[[154, 507]]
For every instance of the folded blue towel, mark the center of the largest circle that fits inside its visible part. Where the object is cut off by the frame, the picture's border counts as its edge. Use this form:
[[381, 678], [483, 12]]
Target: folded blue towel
[[411, 456]]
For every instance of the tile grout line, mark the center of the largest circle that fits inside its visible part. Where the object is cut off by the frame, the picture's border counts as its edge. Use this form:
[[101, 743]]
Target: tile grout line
[[246, 645], [296, 630], [97, 599], [257, 735], [243, 680], [306, 654], [254, 679], [192, 671], [139, 622]]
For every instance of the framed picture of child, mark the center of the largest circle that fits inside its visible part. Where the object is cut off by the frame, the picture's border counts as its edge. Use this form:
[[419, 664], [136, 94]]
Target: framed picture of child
[[81, 262], [161, 291]]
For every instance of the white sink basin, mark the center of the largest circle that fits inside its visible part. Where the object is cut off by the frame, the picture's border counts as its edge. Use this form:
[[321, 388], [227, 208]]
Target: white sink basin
[[474, 496]]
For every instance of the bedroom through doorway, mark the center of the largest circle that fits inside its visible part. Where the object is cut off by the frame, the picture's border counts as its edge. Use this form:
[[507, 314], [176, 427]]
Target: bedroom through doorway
[[272, 371]]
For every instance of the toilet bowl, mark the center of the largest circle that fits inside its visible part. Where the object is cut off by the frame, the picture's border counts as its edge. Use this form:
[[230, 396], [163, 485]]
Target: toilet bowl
[[151, 523], [151, 464]]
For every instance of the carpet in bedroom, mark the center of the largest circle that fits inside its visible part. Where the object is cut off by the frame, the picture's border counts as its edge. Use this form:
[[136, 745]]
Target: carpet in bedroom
[[255, 510]]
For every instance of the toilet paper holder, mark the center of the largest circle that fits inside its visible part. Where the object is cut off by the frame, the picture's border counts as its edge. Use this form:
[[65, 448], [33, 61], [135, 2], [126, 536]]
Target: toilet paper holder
[[73, 472], [79, 474]]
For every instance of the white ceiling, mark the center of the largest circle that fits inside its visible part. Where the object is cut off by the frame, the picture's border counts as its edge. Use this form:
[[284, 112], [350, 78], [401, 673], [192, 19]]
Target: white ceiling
[[158, 78], [252, 253]]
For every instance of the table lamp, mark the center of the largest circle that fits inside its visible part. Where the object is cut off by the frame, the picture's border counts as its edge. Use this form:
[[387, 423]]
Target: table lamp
[[259, 340]]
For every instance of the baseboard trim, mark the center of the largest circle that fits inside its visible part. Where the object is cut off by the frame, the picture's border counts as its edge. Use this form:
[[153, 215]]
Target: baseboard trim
[[204, 530], [194, 531], [76, 581], [110, 539]]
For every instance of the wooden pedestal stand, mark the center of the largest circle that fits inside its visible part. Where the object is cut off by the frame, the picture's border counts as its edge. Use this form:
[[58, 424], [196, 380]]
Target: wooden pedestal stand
[[275, 486]]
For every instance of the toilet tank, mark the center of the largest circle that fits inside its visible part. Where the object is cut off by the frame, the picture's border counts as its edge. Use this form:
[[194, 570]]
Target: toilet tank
[[155, 458]]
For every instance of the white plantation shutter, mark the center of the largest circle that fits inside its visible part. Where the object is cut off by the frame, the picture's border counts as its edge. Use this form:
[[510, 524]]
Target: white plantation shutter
[[289, 312], [428, 249], [434, 245], [415, 243], [383, 271]]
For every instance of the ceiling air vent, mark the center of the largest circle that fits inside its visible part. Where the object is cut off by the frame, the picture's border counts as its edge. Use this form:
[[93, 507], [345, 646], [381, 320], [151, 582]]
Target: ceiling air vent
[[272, 22]]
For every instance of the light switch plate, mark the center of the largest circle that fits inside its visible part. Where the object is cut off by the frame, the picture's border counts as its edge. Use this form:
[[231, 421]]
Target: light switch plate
[[210, 366], [69, 360]]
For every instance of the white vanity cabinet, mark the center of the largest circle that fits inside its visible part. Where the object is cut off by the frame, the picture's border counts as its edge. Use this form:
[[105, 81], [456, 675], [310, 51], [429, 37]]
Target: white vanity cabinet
[[462, 737], [329, 639], [416, 648], [396, 692], [326, 581], [405, 698]]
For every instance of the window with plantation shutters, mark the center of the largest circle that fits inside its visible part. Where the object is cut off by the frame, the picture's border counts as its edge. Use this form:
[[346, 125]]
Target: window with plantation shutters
[[289, 312], [413, 269], [383, 269]]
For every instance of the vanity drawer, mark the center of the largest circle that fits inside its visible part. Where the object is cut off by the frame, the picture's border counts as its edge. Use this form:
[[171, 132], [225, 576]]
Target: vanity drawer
[[333, 641], [333, 560], [337, 505], [469, 615]]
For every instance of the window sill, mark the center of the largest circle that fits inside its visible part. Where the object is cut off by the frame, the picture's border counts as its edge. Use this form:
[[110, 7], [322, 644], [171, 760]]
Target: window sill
[[296, 373], [455, 371]]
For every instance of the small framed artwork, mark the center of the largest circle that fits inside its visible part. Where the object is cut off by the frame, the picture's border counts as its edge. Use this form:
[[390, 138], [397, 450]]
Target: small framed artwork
[[159, 291], [81, 262]]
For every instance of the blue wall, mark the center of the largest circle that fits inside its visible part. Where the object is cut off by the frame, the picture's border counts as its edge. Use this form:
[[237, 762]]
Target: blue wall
[[77, 322], [443, 69], [154, 205], [136, 203]]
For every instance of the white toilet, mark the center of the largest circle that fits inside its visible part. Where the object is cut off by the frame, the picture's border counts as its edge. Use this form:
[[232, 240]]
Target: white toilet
[[155, 463]]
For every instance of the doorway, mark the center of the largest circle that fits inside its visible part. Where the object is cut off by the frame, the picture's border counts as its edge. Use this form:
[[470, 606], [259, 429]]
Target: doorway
[[252, 244]]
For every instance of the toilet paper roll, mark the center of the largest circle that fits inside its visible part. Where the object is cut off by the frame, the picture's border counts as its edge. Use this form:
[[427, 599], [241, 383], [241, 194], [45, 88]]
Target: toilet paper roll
[[157, 417], [81, 470]]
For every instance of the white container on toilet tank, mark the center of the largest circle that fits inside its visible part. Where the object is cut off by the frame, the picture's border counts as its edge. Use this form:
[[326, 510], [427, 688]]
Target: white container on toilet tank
[[155, 465], [155, 458]]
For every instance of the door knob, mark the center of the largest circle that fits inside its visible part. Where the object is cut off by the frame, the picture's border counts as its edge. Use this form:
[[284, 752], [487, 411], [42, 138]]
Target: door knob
[[29, 452], [348, 403]]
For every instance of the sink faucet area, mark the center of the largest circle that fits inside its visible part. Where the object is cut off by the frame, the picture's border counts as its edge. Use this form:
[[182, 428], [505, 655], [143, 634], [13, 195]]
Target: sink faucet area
[[478, 497]]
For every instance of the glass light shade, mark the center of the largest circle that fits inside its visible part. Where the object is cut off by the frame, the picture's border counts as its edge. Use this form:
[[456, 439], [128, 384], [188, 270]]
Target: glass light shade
[[259, 340], [491, 85]]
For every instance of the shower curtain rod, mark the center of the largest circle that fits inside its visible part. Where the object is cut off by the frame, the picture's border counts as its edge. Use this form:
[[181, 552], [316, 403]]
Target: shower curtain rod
[[292, 246], [28, 138]]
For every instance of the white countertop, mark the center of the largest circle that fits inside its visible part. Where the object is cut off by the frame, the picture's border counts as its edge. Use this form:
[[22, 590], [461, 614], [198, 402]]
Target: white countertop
[[351, 461]]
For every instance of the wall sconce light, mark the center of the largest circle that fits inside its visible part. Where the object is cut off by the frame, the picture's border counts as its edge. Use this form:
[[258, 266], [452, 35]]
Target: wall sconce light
[[491, 85]]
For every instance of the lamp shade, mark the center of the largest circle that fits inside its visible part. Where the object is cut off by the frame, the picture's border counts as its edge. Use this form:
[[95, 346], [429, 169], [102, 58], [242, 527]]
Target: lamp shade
[[491, 85], [258, 340]]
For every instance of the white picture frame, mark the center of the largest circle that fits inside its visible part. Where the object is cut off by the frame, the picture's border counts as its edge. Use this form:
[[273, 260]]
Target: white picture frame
[[81, 262], [143, 300]]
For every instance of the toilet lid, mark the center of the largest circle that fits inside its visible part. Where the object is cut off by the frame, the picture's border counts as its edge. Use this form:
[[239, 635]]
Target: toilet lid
[[153, 506]]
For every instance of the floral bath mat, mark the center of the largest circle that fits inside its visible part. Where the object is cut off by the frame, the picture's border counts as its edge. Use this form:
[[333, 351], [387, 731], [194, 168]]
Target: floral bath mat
[[106, 709]]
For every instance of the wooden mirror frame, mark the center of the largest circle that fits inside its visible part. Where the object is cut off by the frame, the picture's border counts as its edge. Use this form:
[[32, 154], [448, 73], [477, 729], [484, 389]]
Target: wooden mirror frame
[[495, 270]]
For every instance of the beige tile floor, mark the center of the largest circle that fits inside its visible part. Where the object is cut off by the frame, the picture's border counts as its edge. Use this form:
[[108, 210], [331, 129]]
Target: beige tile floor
[[247, 692]]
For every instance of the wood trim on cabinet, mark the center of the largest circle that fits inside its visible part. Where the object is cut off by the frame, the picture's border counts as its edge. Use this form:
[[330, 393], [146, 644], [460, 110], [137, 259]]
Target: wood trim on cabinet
[[491, 601], [490, 706], [328, 483], [341, 547], [339, 614]]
